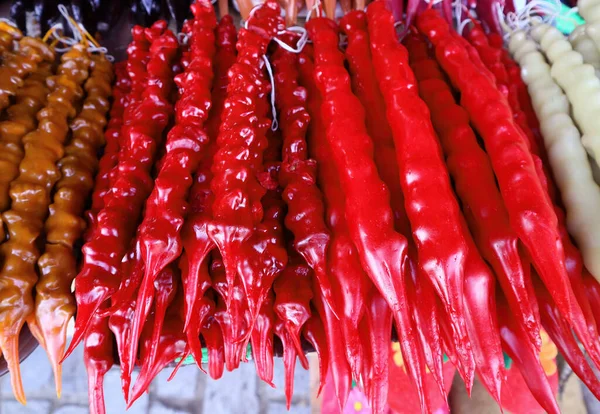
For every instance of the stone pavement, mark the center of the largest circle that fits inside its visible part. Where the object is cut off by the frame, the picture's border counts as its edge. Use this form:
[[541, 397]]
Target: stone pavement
[[191, 392]]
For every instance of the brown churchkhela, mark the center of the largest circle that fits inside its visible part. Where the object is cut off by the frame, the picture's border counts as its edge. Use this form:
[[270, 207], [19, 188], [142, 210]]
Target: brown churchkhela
[[30, 194], [8, 35], [55, 304], [21, 119], [16, 66]]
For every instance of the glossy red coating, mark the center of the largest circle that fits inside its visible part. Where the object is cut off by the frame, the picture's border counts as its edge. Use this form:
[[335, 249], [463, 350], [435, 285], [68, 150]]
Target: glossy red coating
[[142, 132], [98, 341], [437, 230], [475, 184], [159, 233], [289, 359], [484, 210], [381, 249], [98, 359], [514, 343], [232, 319], [559, 331], [211, 332], [365, 87], [375, 325], [334, 343], [530, 212], [314, 333], [305, 217], [264, 256], [498, 64], [293, 292], [167, 344], [262, 340], [237, 207], [194, 235], [592, 291], [351, 284]]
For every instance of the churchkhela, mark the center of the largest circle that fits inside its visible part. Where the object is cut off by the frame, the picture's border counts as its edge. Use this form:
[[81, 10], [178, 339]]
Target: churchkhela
[[409, 172]]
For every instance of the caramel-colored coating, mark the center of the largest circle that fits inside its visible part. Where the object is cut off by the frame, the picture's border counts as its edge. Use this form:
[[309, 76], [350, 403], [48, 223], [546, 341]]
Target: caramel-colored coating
[[55, 304], [20, 120], [30, 194], [16, 66], [8, 35]]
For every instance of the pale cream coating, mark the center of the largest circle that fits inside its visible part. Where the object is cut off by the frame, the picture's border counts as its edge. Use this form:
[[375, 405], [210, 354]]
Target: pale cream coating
[[567, 156], [577, 79], [584, 44], [590, 11]]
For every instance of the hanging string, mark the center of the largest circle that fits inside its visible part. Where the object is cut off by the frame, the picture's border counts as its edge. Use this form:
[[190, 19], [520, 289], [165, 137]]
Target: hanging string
[[183, 38], [251, 14], [274, 123], [458, 10], [77, 33], [301, 42], [80, 36], [317, 9]]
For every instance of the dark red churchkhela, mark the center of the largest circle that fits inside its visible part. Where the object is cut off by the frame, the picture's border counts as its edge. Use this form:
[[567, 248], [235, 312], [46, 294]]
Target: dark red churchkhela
[[142, 130], [197, 245]]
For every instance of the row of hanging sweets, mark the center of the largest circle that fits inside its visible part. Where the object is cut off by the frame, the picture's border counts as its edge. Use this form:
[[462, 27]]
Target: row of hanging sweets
[[434, 169]]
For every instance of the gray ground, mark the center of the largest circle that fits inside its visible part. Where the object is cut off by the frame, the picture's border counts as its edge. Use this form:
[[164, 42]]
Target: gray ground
[[191, 392]]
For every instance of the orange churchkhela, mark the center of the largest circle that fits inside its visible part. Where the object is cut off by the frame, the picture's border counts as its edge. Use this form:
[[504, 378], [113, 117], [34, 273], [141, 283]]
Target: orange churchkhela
[[30, 193], [55, 304]]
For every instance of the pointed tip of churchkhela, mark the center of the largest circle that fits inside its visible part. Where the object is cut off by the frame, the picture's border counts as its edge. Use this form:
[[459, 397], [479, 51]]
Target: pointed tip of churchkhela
[[95, 389], [196, 281], [213, 338], [9, 343], [262, 342], [229, 240], [314, 332], [171, 345], [52, 334], [354, 350], [120, 325], [85, 312], [294, 334], [526, 360], [561, 334]]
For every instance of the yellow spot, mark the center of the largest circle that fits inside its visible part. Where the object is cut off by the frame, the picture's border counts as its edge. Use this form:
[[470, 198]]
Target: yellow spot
[[357, 406]]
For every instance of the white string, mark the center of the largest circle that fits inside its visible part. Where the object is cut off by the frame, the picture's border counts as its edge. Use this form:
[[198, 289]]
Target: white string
[[301, 42], [538, 10], [316, 9], [462, 26], [274, 123], [458, 10], [70, 42], [299, 46], [63, 10], [509, 22], [251, 14], [103, 50], [183, 38]]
